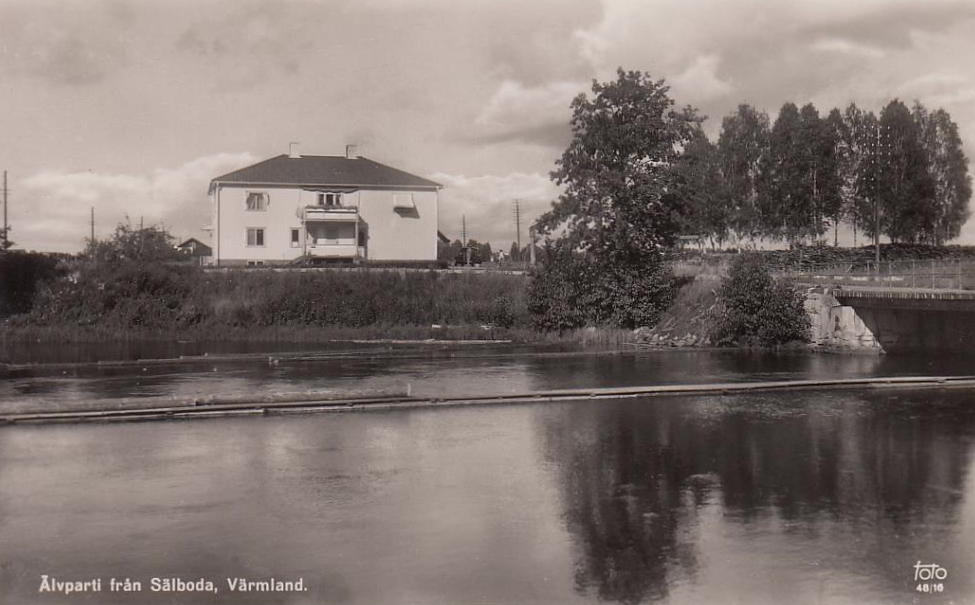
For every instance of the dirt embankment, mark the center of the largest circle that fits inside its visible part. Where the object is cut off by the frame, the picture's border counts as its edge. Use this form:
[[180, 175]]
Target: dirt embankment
[[689, 321]]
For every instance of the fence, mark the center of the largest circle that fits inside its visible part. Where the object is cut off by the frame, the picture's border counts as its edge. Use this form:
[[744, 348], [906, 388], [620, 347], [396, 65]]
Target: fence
[[950, 274]]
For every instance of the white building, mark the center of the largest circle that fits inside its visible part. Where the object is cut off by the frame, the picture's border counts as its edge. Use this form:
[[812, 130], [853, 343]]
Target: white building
[[331, 207]]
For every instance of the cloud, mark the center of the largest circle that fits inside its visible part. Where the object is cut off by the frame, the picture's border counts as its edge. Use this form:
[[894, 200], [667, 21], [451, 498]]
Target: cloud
[[69, 45], [700, 81], [251, 43], [58, 218], [847, 47], [538, 114], [487, 203], [940, 89]]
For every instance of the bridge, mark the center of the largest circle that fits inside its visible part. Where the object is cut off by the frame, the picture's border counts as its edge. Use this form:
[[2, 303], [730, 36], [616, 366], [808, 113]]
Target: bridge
[[894, 306]]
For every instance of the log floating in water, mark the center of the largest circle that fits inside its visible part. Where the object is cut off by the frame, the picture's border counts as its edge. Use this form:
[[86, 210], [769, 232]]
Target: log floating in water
[[212, 401], [347, 403]]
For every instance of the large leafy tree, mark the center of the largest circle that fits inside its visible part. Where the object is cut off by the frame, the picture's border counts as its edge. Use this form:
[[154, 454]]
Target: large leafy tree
[[742, 145], [856, 133], [819, 171], [948, 169], [617, 171], [619, 206], [905, 188], [781, 194], [702, 191]]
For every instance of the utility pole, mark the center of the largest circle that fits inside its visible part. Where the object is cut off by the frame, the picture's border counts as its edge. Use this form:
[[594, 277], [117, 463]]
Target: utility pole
[[463, 235], [92, 225], [518, 224], [876, 207]]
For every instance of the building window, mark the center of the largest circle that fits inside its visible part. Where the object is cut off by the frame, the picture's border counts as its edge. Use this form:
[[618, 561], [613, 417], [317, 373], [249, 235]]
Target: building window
[[256, 201], [255, 263], [329, 199], [295, 238], [255, 237]]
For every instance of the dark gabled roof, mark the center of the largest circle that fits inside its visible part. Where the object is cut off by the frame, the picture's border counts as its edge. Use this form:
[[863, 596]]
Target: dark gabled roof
[[190, 241], [324, 170], [201, 248]]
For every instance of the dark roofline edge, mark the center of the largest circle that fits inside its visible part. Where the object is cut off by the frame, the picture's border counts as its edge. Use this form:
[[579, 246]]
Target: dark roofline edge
[[215, 183], [219, 180]]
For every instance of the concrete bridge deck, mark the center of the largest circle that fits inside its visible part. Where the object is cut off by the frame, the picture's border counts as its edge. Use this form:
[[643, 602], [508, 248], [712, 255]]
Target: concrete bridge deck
[[930, 299]]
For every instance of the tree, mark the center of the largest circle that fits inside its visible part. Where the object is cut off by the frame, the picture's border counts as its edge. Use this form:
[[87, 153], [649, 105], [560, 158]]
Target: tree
[[5, 242], [742, 145], [485, 251], [781, 197], [856, 134], [135, 277], [905, 188], [515, 253], [818, 171], [449, 252], [619, 205], [948, 169], [152, 244], [842, 156], [617, 169], [703, 191]]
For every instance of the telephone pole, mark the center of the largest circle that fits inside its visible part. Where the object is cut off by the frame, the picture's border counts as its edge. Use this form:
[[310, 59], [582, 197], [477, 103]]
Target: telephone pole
[[876, 206], [518, 224], [463, 235], [92, 225]]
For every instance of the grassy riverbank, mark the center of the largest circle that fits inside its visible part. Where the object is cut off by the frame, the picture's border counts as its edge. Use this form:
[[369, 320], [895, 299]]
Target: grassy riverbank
[[178, 300]]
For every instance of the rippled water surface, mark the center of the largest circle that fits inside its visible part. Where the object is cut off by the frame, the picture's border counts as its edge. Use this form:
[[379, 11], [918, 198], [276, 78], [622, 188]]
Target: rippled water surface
[[815, 497]]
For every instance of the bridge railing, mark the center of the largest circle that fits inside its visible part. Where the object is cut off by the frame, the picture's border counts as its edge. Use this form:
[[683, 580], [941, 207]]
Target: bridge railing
[[950, 274]]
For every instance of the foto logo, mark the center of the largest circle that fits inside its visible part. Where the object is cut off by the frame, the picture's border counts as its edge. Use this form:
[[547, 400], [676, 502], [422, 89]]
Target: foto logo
[[929, 571]]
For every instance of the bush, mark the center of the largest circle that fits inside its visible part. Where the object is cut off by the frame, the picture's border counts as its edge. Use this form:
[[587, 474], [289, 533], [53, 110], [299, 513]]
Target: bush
[[21, 276], [133, 279], [757, 310], [572, 290]]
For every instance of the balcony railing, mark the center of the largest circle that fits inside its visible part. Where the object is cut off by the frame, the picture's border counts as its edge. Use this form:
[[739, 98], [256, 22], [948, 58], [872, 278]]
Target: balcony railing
[[330, 213], [336, 250]]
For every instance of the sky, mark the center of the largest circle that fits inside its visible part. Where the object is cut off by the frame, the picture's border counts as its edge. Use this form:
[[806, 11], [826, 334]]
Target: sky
[[132, 106]]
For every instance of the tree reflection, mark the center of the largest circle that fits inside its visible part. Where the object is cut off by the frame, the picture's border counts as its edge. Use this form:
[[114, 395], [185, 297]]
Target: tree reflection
[[634, 475]]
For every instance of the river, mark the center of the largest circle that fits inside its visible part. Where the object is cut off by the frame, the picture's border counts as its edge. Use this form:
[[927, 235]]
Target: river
[[816, 497]]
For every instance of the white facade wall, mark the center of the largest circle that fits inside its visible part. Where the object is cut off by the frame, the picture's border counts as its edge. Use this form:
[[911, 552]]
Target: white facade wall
[[392, 234]]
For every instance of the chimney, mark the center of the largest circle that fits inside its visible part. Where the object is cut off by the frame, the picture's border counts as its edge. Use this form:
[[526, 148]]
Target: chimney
[[350, 152], [293, 150]]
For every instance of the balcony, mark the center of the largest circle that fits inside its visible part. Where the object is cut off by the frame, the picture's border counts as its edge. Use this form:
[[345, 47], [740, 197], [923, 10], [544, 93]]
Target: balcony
[[331, 250], [330, 213]]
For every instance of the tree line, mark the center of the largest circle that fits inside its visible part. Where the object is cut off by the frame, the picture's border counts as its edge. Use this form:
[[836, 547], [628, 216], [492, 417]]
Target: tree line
[[640, 171], [903, 174]]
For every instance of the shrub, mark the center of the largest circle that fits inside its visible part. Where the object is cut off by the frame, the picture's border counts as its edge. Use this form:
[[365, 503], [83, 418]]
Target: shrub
[[557, 297], [572, 290], [21, 276], [755, 309]]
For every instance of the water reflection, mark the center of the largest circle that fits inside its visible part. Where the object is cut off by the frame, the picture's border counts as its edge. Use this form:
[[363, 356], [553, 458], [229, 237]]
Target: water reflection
[[690, 500], [821, 497], [447, 372]]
